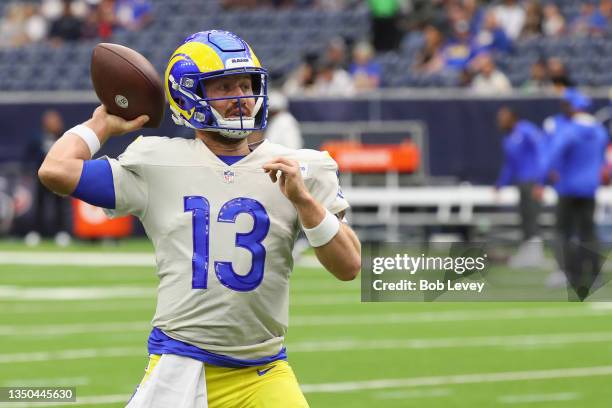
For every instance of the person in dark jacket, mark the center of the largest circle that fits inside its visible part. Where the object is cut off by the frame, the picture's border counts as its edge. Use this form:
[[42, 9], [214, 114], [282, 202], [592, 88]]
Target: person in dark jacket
[[577, 156], [52, 127]]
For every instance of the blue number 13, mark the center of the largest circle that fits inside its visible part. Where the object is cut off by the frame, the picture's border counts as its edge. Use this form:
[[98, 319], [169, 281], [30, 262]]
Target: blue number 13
[[251, 241]]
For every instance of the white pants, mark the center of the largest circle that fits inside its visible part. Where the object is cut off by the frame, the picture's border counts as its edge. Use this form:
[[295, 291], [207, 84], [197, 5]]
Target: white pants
[[175, 382]]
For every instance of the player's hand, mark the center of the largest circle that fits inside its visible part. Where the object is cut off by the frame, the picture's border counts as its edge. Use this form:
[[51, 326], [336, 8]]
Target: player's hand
[[290, 179], [106, 125]]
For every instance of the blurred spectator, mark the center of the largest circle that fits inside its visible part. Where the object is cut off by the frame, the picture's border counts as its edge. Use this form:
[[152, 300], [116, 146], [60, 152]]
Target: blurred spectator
[[46, 201], [12, 32], [466, 76], [282, 128], [589, 22], [365, 71], [511, 16], [333, 81], [67, 27], [491, 37], [52, 9], [429, 59], [489, 79], [558, 74], [523, 163], [133, 15], [554, 22], [335, 52], [605, 9], [538, 79], [385, 31], [301, 80], [36, 27], [533, 21], [458, 52], [105, 19]]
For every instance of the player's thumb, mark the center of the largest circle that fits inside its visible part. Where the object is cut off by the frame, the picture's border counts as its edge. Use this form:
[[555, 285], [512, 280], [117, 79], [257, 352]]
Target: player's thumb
[[137, 123]]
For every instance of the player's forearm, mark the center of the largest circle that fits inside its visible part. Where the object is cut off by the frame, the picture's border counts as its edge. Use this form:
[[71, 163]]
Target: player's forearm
[[61, 170], [342, 255]]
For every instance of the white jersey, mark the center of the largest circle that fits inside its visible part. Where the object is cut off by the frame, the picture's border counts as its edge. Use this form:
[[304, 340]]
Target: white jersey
[[223, 237]]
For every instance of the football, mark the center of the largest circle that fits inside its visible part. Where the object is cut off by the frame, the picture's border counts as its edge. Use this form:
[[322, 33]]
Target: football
[[127, 83]]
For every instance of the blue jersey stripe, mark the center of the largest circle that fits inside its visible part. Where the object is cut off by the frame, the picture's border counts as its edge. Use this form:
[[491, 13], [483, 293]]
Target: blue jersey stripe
[[96, 184], [161, 343]]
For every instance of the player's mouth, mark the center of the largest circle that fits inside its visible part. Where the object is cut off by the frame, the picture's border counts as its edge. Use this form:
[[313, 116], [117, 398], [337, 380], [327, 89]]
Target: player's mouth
[[236, 114]]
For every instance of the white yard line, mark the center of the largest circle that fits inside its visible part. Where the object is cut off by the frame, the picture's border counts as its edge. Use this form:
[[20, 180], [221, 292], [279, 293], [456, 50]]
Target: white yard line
[[414, 394], [519, 341], [459, 379], [516, 341], [74, 328], [102, 259], [532, 398], [63, 308], [447, 316], [22, 293], [322, 320], [77, 258], [77, 354], [413, 382]]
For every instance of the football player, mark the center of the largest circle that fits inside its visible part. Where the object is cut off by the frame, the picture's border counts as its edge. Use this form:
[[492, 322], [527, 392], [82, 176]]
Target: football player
[[223, 220]]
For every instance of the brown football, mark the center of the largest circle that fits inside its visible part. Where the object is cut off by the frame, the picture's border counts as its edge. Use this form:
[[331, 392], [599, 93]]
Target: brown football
[[127, 83]]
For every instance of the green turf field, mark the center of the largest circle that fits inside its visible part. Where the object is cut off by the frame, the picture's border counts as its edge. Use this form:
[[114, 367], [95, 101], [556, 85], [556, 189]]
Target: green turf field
[[86, 326]]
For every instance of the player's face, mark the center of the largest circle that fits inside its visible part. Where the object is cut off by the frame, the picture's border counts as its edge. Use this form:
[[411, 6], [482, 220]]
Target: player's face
[[231, 86]]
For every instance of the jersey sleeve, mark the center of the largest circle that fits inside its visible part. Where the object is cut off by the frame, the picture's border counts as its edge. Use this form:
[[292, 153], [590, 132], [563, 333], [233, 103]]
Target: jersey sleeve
[[325, 187], [129, 182]]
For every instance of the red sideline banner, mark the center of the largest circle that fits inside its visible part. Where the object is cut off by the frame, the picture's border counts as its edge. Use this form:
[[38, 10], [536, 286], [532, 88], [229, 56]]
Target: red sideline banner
[[374, 158], [91, 222]]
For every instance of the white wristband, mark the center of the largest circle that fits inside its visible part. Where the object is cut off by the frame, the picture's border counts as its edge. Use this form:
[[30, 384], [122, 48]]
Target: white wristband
[[324, 232], [88, 136]]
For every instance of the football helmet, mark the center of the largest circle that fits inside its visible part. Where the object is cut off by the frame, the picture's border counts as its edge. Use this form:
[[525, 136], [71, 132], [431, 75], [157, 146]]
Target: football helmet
[[213, 54]]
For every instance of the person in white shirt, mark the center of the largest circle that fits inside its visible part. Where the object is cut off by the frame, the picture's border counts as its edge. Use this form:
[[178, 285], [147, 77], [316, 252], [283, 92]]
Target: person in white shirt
[[333, 81], [283, 128], [511, 16], [490, 80]]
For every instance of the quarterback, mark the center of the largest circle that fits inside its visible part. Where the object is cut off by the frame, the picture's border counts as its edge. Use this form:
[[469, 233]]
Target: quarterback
[[223, 220]]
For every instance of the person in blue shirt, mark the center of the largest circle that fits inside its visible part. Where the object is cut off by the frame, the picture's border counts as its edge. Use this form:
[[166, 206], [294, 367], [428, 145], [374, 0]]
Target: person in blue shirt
[[577, 155], [523, 160], [553, 126]]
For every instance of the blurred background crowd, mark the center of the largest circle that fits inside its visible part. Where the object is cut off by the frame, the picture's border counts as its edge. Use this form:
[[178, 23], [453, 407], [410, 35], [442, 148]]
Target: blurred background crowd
[[329, 47]]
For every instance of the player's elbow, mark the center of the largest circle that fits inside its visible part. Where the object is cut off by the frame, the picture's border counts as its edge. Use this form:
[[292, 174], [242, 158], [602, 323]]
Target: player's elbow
[[52, 176], [351, 270]]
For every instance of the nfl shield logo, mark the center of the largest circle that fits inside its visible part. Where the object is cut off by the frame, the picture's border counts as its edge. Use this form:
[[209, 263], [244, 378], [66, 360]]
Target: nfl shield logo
[[228, 176]]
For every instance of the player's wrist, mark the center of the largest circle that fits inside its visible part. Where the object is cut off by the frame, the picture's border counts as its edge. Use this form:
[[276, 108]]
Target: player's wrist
[[304, 201], [99, 127]]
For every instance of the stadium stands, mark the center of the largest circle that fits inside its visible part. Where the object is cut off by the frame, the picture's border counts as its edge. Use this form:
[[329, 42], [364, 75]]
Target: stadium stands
[[283, 36]]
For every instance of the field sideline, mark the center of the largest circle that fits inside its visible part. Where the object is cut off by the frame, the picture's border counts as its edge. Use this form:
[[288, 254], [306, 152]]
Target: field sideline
[[82, 319]]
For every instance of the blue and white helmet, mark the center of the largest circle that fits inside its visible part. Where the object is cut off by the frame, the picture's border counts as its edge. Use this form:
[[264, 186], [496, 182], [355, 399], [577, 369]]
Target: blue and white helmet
[[213, 54]]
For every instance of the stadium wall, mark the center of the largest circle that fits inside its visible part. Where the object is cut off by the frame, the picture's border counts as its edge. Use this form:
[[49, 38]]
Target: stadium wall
[[462, 137]]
